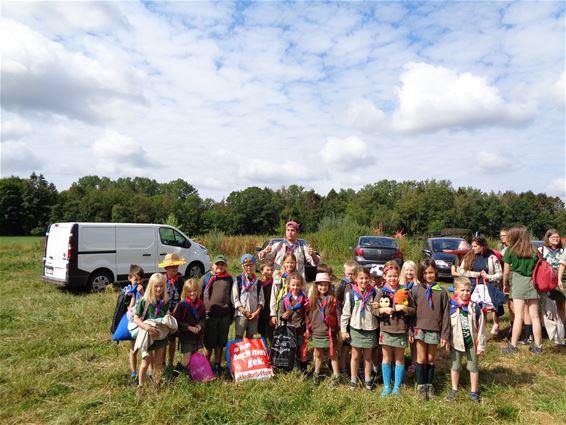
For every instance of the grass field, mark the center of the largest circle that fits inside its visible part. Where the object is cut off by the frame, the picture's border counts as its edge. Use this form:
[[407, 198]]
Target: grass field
[[59, 366]]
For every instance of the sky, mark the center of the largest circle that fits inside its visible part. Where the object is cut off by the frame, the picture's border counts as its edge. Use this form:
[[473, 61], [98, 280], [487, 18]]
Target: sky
[[320, 94]]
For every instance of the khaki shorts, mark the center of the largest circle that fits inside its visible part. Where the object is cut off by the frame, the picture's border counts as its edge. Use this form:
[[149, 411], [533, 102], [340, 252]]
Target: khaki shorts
[[428, 337], [245, 327], [472, 357], [216, 331]]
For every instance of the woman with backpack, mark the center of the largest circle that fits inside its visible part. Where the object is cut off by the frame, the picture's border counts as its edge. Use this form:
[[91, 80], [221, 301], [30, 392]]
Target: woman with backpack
[[519, 261], [553, 252]]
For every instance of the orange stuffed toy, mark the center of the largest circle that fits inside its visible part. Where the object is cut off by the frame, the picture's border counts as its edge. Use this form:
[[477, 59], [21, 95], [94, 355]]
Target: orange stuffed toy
[[401, 297]]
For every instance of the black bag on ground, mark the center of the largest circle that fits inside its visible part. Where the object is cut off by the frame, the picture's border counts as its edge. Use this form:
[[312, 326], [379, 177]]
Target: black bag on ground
[[121, 308], [284, 348]]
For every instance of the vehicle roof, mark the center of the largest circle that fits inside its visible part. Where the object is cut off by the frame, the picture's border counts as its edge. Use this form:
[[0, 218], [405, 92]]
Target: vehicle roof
[[376, 236], [446, 237], [115, 224]]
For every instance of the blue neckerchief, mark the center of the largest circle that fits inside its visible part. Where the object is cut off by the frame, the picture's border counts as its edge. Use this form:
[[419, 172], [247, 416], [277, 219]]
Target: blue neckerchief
[[362, 298]]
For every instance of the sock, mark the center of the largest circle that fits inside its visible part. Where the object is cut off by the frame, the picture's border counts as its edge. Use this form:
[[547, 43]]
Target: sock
[[399, 372], [386, 373], [527, 331], [134, 374], [420, 373], [429, 373]]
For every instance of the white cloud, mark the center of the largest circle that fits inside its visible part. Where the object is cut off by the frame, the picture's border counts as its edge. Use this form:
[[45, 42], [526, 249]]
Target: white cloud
[[433, 97], [14, 127], [43, 76], [494, 163], [117, 154], [273, 171], [363, 114], [558, 187], [16, 157], [346, 154]]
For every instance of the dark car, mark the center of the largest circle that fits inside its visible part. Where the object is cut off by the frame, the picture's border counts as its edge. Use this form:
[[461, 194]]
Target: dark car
[[377, 250], [310, 271], [434, 249]]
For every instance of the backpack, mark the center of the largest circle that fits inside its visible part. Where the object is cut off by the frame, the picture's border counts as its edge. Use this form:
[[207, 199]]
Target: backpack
[[544, 276], [239, 283], [121, 308]]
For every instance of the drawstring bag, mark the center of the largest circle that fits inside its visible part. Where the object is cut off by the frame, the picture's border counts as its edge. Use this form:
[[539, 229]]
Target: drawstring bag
[[199, 368], [284, 348], [481, 297]]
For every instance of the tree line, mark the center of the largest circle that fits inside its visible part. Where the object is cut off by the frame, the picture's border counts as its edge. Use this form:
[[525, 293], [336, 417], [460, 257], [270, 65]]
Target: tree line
[[414, 207]]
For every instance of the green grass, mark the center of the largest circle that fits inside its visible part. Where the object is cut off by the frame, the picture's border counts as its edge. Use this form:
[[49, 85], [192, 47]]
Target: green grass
[[59, 366]]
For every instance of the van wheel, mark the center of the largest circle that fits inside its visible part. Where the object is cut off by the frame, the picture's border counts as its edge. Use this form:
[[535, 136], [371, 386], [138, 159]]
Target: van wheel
[[99, 280], [194, 270]]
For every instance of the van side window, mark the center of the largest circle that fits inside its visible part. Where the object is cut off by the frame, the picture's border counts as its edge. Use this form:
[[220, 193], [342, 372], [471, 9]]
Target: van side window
[[171, 237]]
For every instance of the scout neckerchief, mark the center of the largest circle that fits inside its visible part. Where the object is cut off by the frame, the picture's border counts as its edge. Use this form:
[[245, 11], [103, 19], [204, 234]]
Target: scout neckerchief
[[390, 292], [409, 285], [171, 280], [213, 277], [322, 305], [362, 297], [290, 248], [455, 305], [347, 281], [156, 308], [289, 299], [196, 308], [267, 282], [428, 292], [248, 281]]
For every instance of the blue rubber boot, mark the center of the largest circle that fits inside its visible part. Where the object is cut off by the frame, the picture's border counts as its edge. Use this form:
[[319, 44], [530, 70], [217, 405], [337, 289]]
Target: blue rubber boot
[[399, 374], [386, 373]]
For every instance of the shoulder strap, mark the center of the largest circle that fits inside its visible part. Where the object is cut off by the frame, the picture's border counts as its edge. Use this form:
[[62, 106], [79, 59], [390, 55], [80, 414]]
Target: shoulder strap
[[352, 301], [145, 308]]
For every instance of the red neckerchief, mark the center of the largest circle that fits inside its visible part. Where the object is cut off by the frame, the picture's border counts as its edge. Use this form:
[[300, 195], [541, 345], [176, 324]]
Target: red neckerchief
[[322, 306], [248, 282], [171, 280], [370, 291], [196, 309], [267, 282], [156, 308], [390, 292], [213, 277], [302, 300], [454, 304]]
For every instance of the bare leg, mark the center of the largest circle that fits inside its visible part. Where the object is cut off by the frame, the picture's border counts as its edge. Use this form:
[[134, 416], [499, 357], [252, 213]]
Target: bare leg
[[518, 322], [535, 319]]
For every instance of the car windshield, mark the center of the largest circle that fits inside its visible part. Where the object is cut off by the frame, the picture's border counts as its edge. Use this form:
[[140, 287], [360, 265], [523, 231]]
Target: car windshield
[[376, 241], [441, 244]]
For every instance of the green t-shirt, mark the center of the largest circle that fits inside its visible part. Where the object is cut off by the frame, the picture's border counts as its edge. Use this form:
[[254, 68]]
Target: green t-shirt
[[523, 266], [151, 310], [466, 331]]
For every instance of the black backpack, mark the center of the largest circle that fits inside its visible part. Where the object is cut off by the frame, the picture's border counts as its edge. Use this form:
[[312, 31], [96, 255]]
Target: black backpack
[[121, 308]]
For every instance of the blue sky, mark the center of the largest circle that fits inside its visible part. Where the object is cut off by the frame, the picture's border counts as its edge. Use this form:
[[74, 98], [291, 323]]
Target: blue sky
[[325, 95]]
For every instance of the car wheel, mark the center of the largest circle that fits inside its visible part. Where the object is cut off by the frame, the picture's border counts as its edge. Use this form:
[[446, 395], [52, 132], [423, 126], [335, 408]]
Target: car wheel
[[195, 270], [99, 280]]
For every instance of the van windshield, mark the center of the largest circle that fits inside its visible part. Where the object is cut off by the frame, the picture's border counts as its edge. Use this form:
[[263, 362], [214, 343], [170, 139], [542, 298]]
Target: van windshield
[[169, 236]]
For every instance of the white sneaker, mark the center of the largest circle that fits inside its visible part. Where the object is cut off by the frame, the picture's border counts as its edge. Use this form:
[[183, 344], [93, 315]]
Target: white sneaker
[[495, 330]]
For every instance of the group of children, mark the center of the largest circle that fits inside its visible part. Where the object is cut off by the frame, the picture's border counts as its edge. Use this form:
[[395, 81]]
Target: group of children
[[359, 318]]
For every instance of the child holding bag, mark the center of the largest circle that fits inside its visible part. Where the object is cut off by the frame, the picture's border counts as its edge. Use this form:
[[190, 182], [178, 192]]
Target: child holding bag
[[324, 319]]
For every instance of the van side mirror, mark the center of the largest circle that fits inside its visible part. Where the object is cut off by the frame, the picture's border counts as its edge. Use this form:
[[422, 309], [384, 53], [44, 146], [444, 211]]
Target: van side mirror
[[427, 252]]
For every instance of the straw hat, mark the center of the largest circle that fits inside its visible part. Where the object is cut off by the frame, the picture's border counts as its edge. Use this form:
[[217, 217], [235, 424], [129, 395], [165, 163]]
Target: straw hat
[[172, 259]]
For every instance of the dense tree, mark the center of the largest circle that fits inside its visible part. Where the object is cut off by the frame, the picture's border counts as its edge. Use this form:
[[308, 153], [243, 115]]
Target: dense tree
[[416, 207]]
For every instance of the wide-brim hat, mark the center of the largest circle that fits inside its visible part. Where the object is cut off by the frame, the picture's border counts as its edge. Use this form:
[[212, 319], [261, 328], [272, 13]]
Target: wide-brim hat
[[172, 259]]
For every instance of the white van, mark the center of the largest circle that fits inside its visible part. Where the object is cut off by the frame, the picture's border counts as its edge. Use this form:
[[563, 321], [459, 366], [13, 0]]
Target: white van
[[92, 255]]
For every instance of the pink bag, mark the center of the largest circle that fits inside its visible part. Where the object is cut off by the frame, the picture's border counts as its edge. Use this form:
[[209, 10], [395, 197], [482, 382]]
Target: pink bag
[[199, 368]]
